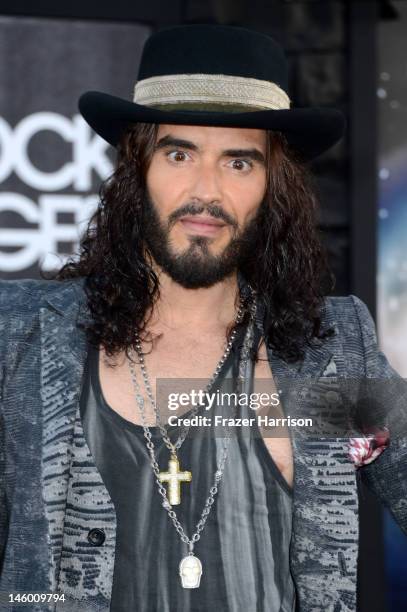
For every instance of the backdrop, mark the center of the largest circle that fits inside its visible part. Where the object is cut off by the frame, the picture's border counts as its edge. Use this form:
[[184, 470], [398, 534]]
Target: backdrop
[[392, 247], [51, 164]]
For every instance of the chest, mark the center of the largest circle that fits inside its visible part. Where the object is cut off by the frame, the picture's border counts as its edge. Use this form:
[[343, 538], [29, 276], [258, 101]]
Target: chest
[[192, 363]]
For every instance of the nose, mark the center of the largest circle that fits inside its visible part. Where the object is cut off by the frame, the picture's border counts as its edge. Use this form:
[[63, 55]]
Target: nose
[[206, 186]]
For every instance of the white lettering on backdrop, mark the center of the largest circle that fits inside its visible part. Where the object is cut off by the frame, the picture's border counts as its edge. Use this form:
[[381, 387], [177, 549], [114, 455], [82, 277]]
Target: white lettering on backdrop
[[40, 244]]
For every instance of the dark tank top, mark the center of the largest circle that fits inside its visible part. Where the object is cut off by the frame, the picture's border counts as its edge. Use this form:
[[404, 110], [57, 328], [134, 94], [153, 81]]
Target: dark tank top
[[244, 546]]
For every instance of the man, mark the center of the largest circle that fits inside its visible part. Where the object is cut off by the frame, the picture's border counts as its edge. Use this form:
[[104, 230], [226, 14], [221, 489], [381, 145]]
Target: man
[[205, 232]]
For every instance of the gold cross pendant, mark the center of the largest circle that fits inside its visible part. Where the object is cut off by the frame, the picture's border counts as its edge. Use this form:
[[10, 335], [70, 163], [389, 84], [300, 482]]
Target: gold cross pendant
[[174, 478]]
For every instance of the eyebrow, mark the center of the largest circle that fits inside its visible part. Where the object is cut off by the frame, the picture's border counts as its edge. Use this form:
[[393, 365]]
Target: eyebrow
[[170, 141]]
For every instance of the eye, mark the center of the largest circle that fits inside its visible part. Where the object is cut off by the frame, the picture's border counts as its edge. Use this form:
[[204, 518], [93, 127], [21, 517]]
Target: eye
[[246, 168], [176, 153]]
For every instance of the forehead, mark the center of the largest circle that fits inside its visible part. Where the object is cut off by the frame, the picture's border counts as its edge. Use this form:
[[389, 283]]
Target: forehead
[[214, 136]]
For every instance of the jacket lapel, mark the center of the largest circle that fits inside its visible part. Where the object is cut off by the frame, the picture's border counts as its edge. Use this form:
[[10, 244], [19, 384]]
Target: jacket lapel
[[63, 350], [325, 504], [73, 490]]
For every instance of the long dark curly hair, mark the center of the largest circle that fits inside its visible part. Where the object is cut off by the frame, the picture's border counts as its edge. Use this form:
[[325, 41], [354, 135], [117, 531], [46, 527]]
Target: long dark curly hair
[[288, 270]]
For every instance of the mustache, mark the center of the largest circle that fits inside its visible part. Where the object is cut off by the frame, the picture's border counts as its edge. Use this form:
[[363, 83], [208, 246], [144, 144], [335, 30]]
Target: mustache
[[196, 209]]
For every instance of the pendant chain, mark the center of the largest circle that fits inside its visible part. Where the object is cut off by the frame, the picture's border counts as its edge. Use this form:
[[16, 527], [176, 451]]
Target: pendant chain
[[220, 467], [184, 432]]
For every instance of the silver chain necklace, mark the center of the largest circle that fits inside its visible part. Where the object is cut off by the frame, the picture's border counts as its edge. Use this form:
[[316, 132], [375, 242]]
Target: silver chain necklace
[[190, 567], [184, 432]]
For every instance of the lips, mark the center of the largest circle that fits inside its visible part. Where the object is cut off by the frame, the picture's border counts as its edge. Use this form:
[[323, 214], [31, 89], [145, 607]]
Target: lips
[[203, 220], [203, 225]]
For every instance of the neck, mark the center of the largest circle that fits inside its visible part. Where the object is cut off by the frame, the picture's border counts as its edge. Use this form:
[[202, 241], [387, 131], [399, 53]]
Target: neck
[[205, 309]]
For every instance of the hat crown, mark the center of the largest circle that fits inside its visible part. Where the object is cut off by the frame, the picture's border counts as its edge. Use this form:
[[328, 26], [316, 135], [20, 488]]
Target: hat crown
[[214, 75], [214, 49]]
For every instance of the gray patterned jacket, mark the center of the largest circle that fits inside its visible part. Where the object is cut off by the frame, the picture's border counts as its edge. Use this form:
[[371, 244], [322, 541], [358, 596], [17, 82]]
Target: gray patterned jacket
[[51, 493]]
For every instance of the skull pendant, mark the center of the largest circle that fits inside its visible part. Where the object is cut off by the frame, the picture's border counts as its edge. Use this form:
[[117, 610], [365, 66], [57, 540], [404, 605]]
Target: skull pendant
[[190, 570]]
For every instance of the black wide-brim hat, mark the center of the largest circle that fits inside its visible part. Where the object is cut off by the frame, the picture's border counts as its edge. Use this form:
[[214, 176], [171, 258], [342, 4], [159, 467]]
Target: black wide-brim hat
[[214, 75]]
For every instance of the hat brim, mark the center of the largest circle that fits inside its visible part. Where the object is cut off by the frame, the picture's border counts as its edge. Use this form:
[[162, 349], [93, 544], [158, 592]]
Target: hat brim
[[309, 131]]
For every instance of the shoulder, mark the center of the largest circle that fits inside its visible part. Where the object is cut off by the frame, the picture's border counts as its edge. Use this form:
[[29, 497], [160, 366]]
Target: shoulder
[[350, 314], [25, 296], [345, 305], [21, 301], [357, 333]]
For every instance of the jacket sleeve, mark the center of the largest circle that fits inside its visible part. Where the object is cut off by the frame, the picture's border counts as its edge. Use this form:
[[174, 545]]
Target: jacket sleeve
[[386, 476]]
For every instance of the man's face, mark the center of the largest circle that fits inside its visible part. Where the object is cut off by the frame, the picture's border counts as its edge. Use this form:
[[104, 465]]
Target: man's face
[[205, 186]]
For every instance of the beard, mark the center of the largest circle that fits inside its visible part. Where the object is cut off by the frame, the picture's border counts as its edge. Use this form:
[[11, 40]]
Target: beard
[[196, 266]]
